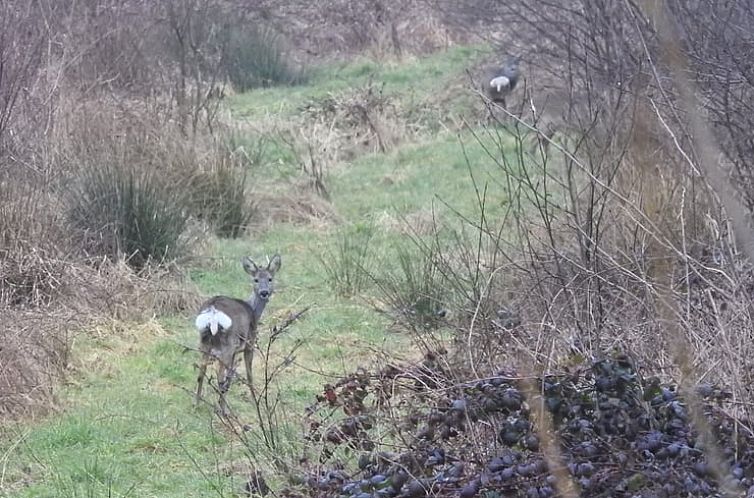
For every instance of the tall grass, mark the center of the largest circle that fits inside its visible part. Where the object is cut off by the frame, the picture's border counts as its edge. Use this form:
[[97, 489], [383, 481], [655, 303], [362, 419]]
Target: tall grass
[[256, 59], [127, 211], [413, 285], [219, 197], [348, 261]]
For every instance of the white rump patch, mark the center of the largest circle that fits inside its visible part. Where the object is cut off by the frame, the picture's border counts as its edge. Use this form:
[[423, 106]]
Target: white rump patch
[[213, 319], [500, 82]]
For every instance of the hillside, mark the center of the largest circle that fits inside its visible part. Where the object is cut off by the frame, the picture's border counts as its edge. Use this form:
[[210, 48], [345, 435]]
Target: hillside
[[515, 248], [126, 424]]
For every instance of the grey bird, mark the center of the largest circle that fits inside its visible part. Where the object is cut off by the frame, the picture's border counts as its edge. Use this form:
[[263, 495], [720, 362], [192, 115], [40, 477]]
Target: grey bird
[[500, 83]]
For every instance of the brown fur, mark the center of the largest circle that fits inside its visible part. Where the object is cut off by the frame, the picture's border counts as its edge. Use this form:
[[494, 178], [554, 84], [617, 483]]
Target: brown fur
[[241, 335]]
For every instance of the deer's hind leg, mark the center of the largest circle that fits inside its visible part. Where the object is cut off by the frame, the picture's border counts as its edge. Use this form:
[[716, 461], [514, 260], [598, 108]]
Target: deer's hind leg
[[224, 378], [203, 364]]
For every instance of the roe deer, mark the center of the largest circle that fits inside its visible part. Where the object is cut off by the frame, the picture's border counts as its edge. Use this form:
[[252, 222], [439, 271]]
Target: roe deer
[[228, 326], [500, 82]]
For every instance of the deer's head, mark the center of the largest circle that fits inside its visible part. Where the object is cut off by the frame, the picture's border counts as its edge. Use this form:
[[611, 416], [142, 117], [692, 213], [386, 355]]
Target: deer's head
[[262, 277]]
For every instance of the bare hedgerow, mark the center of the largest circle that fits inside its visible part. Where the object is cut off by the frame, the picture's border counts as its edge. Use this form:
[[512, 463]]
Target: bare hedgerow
[[379, 27], [614, 214], [628, 234]]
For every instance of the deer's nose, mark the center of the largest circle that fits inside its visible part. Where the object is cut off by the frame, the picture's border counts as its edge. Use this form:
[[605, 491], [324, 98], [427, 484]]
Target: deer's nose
[[264, 294]]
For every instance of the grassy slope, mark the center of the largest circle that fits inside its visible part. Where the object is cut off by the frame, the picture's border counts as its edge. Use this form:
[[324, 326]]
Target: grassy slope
[[128, 425]]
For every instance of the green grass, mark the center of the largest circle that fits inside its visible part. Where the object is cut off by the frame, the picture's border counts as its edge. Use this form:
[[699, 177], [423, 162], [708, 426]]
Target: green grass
[[127, 426], [118, 429], [425, 77], [416, 177]]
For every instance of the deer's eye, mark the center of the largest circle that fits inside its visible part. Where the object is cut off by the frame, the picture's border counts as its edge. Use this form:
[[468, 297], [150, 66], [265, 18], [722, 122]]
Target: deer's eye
[[269, 279], [256, 280]]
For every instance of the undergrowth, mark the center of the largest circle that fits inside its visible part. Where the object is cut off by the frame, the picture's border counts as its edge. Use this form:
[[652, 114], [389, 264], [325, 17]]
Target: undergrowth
[[619, 433]]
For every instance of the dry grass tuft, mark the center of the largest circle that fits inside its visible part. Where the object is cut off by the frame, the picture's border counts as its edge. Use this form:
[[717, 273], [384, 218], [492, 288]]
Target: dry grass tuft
[[419, 223], [113, 338], [110, 302], [367, 120], [116, 291], [299, 206], [384, 29]]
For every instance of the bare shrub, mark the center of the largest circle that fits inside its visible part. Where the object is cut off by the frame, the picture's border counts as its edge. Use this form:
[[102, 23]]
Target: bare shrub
[[718, 53], [171, 53], [269, 411], [567, 434], [360, 116], [30, 241], [196, 36], [109, 45], [623, 231], [33, 356], [611, 215], [346, 124], [21, 43], [31, 244], [386, 28]]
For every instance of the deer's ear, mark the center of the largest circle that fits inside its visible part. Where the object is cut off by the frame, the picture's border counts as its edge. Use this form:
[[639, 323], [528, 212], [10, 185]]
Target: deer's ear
[[249, 265], [274, 265]]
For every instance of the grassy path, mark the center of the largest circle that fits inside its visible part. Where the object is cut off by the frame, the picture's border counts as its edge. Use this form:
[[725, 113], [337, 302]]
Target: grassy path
[[127, 426]]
